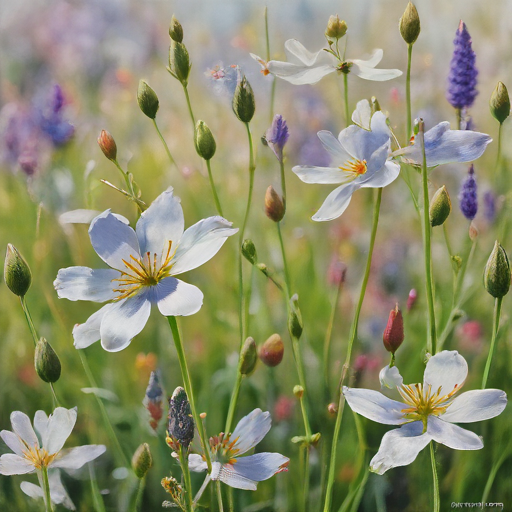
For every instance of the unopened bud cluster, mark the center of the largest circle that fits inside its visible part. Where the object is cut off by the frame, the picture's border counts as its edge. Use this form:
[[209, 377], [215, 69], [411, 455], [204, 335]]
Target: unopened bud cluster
[[17, 273]]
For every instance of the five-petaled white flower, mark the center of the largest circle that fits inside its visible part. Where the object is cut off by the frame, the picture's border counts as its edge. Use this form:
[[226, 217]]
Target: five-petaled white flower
[[244, 472], [360, 159], [305, 67], [143, 263], [429, 412]]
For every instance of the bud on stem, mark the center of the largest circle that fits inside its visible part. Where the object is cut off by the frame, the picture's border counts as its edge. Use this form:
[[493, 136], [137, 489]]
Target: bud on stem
[[46, 362], [17, 273], [500, 103], [243, 101], [205, 143], [107, 144], [410, 24], [394, 331], [274, 205], [248, 357], [147, 100], [142, 460], [272, 351], [497, 272], [440, 207]]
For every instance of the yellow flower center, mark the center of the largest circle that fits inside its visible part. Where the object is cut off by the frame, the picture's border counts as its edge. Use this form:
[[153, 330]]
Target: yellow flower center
[[142, 272], [355, 166], [223, 448], [38, 457]]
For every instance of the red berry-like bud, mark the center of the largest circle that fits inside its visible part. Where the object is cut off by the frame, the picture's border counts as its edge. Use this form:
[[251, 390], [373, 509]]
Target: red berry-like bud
[[411, 300], [107, 145], [271, 352], [394, 331]]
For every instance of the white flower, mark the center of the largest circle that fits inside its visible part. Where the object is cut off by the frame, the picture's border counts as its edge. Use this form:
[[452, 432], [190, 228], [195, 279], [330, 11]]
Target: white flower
[[360, 159], [429, 412], [143, 263], [390, 377], [242, 472], [305, 67], [32, 453], [58, 493]]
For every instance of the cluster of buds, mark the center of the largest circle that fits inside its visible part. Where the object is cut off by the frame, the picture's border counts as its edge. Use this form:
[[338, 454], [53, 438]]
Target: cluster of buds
[[153, 400], [179, 60], [336, 28], [172, 487], [180, 428]]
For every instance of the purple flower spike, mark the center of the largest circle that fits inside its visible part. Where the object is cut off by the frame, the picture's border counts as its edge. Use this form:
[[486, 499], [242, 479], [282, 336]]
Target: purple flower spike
[[462, 77], [489, 206], [277, 135], [468, 197], [52, 121]]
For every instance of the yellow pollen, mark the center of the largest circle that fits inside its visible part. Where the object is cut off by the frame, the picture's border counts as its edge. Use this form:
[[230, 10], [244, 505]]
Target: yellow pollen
[[355, 166], [38, 457]]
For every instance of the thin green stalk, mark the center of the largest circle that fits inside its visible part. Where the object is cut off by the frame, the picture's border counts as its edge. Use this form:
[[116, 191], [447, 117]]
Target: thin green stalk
[[214, 190], [46, 489], [345, 96], [408, 92], [498, 157], [219, 496], [283, 181], [29, 320], [131, 192], [97, 499], [231, 501], [140, 493], [458, 114], [197, 497], [352, 337], [167, 150], [187, 384], [306, 479], [234, 399], [435, 479], [492, 474], [183, 456], [285, 264], [427, 247], [185, 90], [495, 328], [106, 420], [328, 333], [267, 38]]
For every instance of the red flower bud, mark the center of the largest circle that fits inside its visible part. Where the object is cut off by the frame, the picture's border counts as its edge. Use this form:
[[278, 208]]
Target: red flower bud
[[411, 300], [394, 331], [271, 352], [107, 145]]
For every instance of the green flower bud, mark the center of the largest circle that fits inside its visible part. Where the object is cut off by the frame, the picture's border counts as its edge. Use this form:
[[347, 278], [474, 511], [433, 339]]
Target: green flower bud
[[410, 24], [205, 143], [272, 351], [142, 460], [315, 438], [248, 357], [298, 391], [249, 251], [295, 324], [179, 61], [147, 100], [46, 362], [497, 272], [17, 273], [500, 103], [440, 207], [181, 423], [243, 101], [274, 205], [176, 30], [374, 102], [107, 144], [336, 28]]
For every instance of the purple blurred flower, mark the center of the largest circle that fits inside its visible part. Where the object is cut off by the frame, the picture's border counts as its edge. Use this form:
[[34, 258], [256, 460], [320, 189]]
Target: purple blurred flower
[[153, 400], [277, 135], [52, 120], [468, 197], [462, 77], [313, 153], [489, 206]]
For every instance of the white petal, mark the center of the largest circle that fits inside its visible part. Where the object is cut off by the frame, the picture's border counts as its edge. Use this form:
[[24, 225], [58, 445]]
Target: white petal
[[23, 428], [376, 75], [160, 223], [227, 474], [261, 466], [89, 332], [41, 423], [447, 370], [177, 298], [83, 283], [251, 429], [32, 490], [58, 493], [390, 377], [196, 463], [375, 164], [201, 242], [374, 59], [476, 405], [12, 464], [384, 177], [375, 406], [123, 321], [298, 74], [75, 458], [362, 114], [259, 60], [82, 216], [298, 54], [452, 436], [13, 442], [333, 147], [113, 240], [335, 203], [399, 447], [60, 426], [323, 175]]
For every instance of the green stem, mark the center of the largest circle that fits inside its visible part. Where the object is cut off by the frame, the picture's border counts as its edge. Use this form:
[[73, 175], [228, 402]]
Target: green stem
[[273, 86], [183, 456], [219, 496], [495, 328], [283, 181], [97, 499], [167, 150], [187, 384], [352, 337], [328, 334], [46, 489], [267, 38], [458, 114], [131, 193], [285, 264], [140, 493], [185, 90], [214, 190], [234, 399], [345, 95], [29, 320], [408, 92], [492, 474], [435, 479], [306, 479]]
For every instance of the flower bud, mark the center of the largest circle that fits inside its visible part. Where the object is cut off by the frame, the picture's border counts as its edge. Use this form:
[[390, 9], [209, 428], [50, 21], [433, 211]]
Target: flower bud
[[175, 30], [46, 362], [153, 400], [298, 391], [272, 351], [274, 205], [375, 105], [248, 357], [497, 272], [473, 232], [410, 24], [500, 103], [332, 409], [142, 460], [107, 144], [295, 324], [315, 439], [179, 61], [243, 101], [17, 273], [336, 28], [411, 299], [440, 207], [249, 251], [394, 331], [181, 424], [147, 100], [205, 143]]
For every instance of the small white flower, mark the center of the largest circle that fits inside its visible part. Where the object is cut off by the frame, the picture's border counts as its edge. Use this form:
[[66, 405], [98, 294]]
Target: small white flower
[[390, 377], [360, 159], [58, 493], [242, 472], [305, 67], [143, 264], [429, 412]]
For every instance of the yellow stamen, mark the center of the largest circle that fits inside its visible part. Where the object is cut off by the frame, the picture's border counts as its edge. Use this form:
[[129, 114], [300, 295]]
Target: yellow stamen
[[355, 166]]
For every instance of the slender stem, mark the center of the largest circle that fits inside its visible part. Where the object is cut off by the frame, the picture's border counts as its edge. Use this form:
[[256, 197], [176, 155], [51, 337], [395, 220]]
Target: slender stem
[[285, 264], [272, 97], [131, 193], [306, 478], [435, 479], [427, 246], [187, 384], [345, 95], [197, 497], [495, 328], [167, 150], [273, 86], [214, 190], [408, 92], [219, 496], [140, 493], [185, 90], [46, 489], [54, 396], [492, 474], [353, 335], [97, 499], [183, 456], [267, 38], [29, 320], [234, 399], [283, 180], [231, 502], [498, 157], [328, 334], [458, 114]]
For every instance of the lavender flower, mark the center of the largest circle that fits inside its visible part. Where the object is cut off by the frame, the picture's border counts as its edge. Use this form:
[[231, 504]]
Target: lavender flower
[[467, 197], [277, 135], [462, 77], [489, 206], [52, 120]]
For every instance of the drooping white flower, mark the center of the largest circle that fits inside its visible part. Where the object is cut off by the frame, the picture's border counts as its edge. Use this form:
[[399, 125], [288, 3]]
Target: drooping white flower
[[360, 159], [429, 412], [143, 264], [305, 67], [242, 472], [58, 493]]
